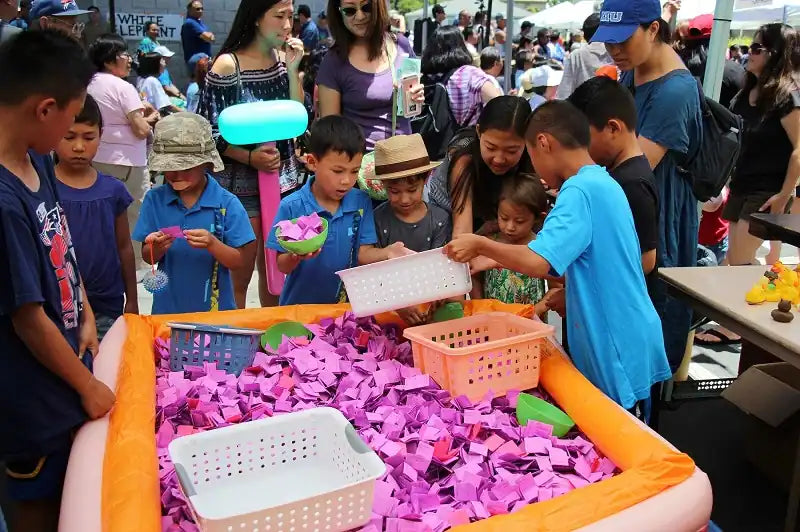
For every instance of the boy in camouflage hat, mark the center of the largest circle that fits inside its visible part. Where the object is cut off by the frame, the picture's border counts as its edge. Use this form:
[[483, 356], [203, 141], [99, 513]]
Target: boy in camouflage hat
[[195, 230]]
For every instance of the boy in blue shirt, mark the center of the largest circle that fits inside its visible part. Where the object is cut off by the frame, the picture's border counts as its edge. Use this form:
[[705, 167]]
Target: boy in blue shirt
[[614, 331], [336, 148], [47, 328], [206, 230]]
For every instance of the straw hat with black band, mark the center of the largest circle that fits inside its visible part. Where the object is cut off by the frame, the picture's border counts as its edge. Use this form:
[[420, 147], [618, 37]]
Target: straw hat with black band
[[402, 156]]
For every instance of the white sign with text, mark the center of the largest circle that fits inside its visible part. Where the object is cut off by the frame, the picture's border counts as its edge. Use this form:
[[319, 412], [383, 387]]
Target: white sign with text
[[131, 26], [745, 4]]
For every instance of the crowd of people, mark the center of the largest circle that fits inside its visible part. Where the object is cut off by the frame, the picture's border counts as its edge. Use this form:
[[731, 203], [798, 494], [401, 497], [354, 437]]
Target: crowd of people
[[548, 188]]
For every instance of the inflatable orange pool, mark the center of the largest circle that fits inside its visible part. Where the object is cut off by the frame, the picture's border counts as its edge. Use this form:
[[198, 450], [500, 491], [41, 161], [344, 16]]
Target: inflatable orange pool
[[112, 482]]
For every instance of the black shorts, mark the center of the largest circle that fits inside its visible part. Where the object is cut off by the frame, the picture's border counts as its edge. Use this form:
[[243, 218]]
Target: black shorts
[[741, 206]]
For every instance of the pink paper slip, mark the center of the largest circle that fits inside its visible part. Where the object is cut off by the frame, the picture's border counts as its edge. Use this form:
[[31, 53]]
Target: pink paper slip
[[174, 231]]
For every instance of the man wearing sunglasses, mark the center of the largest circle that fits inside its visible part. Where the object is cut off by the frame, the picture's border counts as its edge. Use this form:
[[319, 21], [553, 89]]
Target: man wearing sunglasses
[[59, 15]]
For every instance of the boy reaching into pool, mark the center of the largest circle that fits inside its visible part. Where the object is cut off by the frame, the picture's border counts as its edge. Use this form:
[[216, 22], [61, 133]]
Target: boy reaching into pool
[[336, 147], [209, 231], [614, 332], [47, 328]]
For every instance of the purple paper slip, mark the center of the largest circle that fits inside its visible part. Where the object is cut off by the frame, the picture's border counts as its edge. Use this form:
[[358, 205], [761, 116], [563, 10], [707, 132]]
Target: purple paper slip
[[174, 231]]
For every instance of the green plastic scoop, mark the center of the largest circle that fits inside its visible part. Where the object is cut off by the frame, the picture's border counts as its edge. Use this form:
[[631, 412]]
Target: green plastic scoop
[[533, 408], [291, 329]]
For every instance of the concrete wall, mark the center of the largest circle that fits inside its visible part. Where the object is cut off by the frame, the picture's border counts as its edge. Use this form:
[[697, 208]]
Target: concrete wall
[[218, 17]]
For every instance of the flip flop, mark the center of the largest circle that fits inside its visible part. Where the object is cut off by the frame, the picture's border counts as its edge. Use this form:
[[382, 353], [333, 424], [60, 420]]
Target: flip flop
[[722, 339]]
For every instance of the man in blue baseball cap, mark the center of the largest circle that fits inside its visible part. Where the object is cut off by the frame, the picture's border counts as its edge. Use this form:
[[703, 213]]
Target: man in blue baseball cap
[[670, 130], [61, 15]]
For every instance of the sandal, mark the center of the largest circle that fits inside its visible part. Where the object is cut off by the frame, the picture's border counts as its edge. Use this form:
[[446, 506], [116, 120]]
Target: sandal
[[715, 336]]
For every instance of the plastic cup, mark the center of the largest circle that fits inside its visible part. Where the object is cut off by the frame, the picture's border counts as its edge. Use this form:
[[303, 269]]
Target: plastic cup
[[304, 247], [290, 329], [533, 408], [449, 311]]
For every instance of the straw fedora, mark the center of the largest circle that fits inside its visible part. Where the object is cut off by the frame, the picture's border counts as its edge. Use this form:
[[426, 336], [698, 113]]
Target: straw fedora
[[402, 156]]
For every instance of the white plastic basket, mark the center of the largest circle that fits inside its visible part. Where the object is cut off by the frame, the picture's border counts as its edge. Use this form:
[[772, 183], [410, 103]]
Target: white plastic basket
[[306, 471], [404, 282]]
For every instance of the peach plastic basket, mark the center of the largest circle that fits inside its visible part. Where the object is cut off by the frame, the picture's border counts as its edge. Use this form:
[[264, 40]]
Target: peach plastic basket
[[471, 356]]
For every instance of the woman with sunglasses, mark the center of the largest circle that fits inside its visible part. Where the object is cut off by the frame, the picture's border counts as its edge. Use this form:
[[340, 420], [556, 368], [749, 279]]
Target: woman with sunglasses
[[769, 163], [669, 127], [251, 66], [356, 79]]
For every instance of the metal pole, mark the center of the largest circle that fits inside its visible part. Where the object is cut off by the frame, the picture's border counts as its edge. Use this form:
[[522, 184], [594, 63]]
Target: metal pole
[[425, 23], [112, 15], [487, 15], [723, 14], [509, 38]]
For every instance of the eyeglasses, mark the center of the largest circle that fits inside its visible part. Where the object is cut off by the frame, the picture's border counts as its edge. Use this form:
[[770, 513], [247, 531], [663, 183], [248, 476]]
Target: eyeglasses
[[76, 29], [350, 11], [757, 48], [124, 55]]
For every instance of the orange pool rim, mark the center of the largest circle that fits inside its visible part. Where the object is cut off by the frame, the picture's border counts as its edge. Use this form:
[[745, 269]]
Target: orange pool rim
[[131, 500]]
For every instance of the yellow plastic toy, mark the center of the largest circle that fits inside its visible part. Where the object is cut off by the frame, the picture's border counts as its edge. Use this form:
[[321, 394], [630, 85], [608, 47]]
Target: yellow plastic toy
[[756, 295], [772, 294]]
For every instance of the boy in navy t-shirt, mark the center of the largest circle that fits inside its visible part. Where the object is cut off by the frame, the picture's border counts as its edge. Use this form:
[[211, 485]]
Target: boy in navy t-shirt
[[46, 324], [614, 331]]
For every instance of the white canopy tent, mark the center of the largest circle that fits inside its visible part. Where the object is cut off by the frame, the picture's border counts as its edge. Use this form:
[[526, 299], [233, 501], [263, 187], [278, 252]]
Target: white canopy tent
[[452, 8], [563, 16], [787, 11]]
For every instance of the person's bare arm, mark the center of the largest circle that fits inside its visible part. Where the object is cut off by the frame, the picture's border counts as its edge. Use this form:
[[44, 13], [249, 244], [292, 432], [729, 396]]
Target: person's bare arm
[[207, 36], [649, 261], [50, 348], [653, 151], [368, 254], [488, 91], [519, 258], [127, 262], [330, 101], [140, 125], [230, 257], [777, 203], [462, 220]]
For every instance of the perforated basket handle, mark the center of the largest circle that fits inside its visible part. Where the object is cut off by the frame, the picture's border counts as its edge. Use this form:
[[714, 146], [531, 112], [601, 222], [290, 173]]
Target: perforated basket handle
[[355, 440], [183, 479]]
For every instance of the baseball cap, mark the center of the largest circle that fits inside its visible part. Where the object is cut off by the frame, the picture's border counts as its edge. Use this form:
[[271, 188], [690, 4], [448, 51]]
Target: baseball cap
[[163, 51], [620, 18], [182, 141], [542, 76], [700, 27], [322, 15], [56, 8]]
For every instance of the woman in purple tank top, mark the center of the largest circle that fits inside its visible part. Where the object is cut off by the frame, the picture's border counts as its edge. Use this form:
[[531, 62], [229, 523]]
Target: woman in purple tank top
[[356, 77]]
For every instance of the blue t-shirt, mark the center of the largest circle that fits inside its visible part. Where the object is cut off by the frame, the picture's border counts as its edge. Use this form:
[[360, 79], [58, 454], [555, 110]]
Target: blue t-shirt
[[669, 114], [309, 34], [315, 280], [165, 79], [37, 265], [190, 38], [614, 331], [189, 269], [92, 213]]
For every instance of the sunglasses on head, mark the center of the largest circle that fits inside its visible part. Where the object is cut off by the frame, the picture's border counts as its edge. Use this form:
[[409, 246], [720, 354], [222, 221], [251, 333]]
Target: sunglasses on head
[[757, 48], [350, 11]]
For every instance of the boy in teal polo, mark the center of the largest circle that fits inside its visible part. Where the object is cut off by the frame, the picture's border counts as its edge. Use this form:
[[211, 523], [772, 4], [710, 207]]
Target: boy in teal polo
[[336, 148], [206, 231]]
